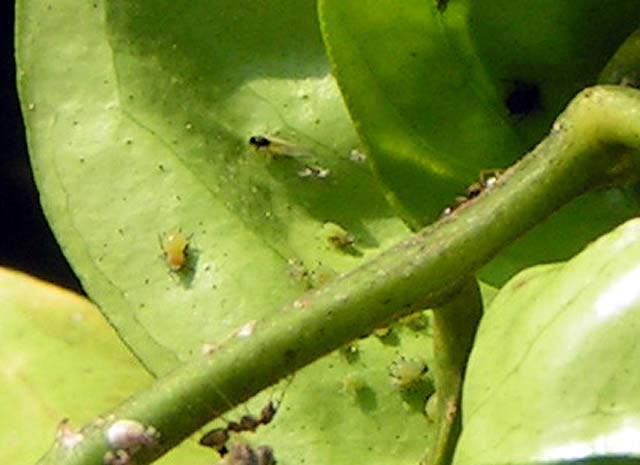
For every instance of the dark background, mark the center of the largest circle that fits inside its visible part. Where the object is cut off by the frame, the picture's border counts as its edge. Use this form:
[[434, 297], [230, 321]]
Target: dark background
[[26, 242]]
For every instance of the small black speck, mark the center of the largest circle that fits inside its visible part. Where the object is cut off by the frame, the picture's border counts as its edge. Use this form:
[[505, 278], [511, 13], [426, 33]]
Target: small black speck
[[523, 99], [441, 5]]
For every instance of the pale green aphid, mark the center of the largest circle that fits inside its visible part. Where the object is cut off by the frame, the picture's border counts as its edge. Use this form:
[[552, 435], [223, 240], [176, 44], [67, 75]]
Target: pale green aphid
[[405, 372], [352, 384], [431, 407]]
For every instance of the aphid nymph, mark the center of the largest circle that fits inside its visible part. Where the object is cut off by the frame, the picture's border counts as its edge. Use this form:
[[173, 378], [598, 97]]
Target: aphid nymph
[[406, 372], [175, 250]]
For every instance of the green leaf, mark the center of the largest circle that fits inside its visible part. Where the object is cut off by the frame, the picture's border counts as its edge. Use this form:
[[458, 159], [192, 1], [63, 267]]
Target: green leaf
[[138, 126], [427, 89], [551, 376], [138, 117], [59, 359]]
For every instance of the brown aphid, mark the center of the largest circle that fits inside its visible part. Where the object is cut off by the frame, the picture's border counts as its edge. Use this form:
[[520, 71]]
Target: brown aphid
[[268, 412], [175, 250], [487, 180], [342, 240], [216, 439], [265, 455]]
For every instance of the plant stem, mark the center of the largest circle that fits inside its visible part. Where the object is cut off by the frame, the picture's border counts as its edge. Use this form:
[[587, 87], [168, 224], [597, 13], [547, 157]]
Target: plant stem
[[591, 144], [624, 67], [454, 329]]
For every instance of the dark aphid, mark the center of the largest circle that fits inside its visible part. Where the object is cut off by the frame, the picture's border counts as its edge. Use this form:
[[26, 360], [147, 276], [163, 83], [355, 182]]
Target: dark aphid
[[249, 423], [267, 413], [259, 141], [241, 454], [216, 439], [524, 98], [265, 455], [488, 179]]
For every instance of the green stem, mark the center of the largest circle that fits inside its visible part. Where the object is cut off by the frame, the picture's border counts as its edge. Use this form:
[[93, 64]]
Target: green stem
[[454, 329], [590, 144], [624, 67]]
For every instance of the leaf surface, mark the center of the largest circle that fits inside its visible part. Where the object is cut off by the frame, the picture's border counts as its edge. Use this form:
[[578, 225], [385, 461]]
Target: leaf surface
[[443, 97], [59, 359], [551, 376]]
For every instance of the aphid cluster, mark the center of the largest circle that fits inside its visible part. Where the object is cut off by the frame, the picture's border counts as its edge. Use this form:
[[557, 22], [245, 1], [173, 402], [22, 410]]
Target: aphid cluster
[[487, 180], [217, 438]]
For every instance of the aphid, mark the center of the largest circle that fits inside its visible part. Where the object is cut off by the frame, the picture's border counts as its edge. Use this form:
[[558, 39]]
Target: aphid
[[488, 179], [316, 172], [350, 352], [523, 99], [241, 454], [216, 439], [265, 455], [352, 385], [175, 247], [404, 373], [382, 331], [339, 237], [431, 407], [119, 457], [244, 454], [357, 156], [277, 148], [67, 436], [131, 435], [342, 240]]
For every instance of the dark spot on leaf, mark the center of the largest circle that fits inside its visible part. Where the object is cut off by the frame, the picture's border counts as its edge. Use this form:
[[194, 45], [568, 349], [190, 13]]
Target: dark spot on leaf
[[523, 99]]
